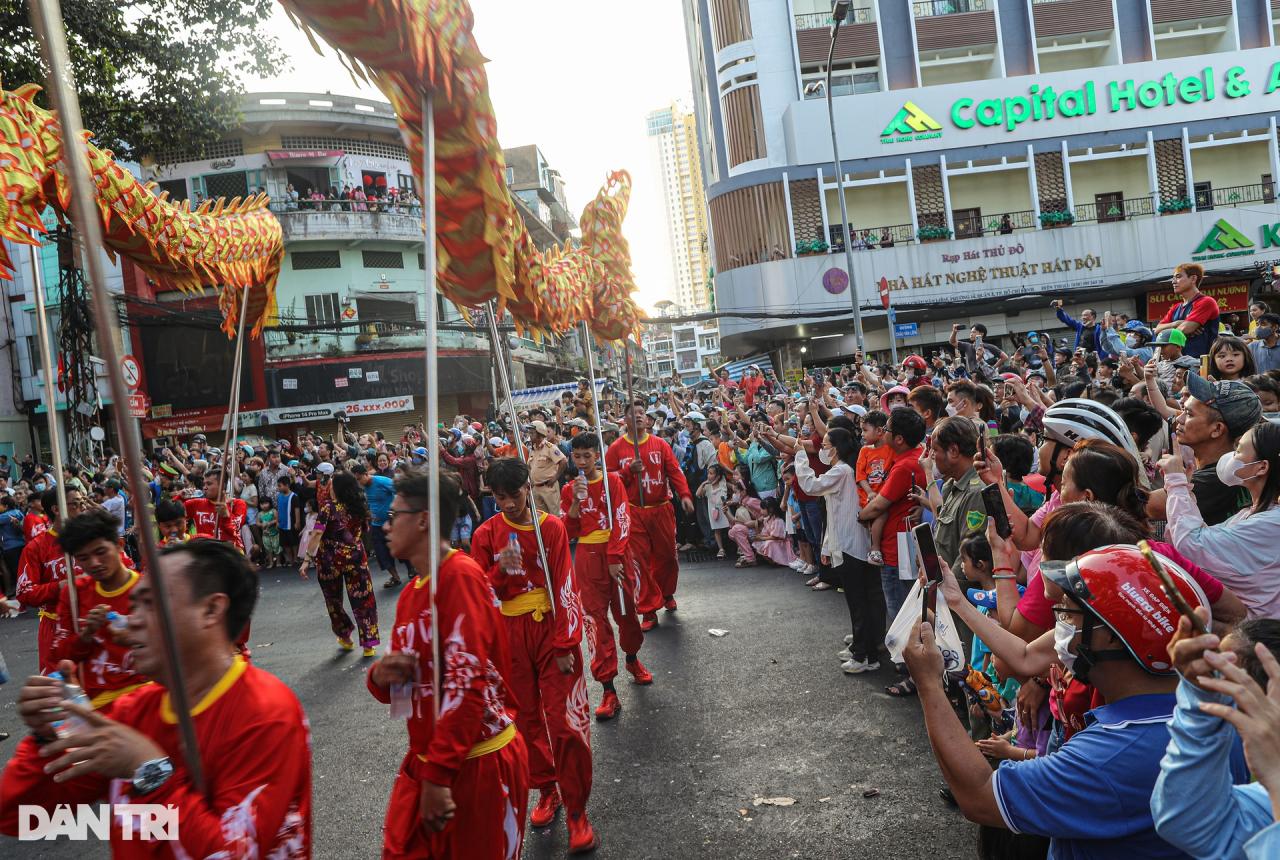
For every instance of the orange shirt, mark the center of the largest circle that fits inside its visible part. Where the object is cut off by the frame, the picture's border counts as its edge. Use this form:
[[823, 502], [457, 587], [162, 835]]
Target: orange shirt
[[873, 466]]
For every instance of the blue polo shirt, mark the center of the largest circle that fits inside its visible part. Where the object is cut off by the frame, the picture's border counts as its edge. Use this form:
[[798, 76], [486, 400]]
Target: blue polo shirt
[[1093, 796], [379, 494]]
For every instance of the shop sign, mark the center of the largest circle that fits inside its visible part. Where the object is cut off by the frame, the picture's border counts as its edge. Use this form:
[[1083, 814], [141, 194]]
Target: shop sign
[[1224, 240], [324, 411], [1232, 298]]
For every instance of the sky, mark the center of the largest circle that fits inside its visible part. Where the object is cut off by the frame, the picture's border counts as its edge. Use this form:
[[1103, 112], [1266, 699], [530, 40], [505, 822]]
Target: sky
[[578, 82]]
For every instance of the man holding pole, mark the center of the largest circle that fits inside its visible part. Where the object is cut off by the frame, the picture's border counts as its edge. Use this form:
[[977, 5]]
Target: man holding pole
[[42, 570], [646, 464], [214, 518], [607, 575]]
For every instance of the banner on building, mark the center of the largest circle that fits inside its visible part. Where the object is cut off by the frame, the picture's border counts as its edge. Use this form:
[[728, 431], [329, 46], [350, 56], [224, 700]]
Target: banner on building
[[1232, 298]]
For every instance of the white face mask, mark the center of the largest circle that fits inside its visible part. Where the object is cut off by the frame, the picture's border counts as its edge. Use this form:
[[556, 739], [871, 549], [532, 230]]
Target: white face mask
[[1228, 469], [824, 454], [951, 410], [1131, 341], [1063, 635]]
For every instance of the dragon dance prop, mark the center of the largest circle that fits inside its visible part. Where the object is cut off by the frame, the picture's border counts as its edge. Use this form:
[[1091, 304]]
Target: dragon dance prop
[[484, 252], [234, 246]]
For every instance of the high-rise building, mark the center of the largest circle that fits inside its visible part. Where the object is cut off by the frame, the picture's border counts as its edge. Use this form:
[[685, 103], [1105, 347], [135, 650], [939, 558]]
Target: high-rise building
[[673, 133], [996, 154]]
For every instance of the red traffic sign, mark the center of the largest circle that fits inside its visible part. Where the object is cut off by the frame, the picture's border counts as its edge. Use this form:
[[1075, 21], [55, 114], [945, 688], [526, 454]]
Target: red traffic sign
[[131, 371], [884, 292], [137, 405]]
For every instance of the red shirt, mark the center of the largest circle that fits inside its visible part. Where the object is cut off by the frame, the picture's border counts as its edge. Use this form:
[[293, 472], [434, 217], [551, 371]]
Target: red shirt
[[478, 706], [660, 466], [34, 524], [750, 385], [256, 749], [203, 514], [594, 523], [493, 536], [41, 570], [106, 670], [818, 467], [897, 489]]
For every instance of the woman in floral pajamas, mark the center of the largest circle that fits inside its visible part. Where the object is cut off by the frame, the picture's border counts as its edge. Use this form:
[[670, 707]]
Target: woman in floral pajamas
[[338, 554]]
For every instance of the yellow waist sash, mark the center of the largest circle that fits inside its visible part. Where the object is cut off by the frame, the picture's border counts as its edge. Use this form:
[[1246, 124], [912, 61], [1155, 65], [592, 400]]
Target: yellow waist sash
[[597, 536], [107, 697], [44, 613], [535, 601], [495, 743]]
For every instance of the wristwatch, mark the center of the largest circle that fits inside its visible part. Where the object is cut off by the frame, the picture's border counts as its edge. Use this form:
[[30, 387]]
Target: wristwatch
[[152, 774]]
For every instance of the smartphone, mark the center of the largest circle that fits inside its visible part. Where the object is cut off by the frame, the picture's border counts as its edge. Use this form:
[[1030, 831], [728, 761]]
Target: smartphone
[[1171, 589], [994, 504], [929, 560], [930, 602], [982, 444]]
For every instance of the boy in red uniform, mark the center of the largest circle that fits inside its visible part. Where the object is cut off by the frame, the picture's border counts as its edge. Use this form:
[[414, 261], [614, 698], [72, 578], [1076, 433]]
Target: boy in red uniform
[[250, 729], [35, 522], [546, 662], [106, 586], [211, 515], [606, 572], [653, 520], [463, 787], [41, 571]]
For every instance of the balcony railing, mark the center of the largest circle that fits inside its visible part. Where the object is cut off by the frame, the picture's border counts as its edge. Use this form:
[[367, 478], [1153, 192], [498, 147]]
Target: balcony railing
[[1117, 210], [329, 220], [1236, 195], [935, 8], [968, 226], [859, 14], [867, 238]]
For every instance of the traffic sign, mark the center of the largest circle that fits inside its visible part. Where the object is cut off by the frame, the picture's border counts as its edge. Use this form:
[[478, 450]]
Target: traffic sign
[[901, 330], [131, 371], [137, 405]]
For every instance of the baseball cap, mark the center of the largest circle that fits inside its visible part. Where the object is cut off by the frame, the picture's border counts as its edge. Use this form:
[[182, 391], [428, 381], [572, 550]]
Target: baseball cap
[[325, 468], [540, 427], [695, 416], [420, 451], [496, 441], [1186, 362], [1171, 336], [580, 423], [167, 469], [1239, 407], [855, 409], [610, 427]]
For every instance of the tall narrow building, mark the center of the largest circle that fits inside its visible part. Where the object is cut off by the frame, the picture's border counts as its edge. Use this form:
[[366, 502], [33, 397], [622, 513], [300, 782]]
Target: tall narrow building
[[673, 130]]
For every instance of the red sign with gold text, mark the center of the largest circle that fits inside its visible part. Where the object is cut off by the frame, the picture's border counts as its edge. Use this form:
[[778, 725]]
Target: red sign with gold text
[[1231, 298]]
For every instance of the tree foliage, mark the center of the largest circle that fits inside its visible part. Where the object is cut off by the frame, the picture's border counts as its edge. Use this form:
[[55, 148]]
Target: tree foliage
[[153, 76]]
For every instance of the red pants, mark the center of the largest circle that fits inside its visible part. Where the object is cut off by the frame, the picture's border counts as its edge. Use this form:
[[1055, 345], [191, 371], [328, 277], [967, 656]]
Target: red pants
[[491, 793], [653, 546], [553, 713], [44, 644], [600, 594]]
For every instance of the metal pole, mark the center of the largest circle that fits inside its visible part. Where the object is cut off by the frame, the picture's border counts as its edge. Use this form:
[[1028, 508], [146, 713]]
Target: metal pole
[[233, 410], [604, 469], [432, 377], [844, 211], [51, 418], [505, 379], [46, 19], [626, 412]]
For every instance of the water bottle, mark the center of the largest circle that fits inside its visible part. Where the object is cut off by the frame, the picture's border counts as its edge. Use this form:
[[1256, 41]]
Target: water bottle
[[516, 569], [117, 621], [74, 694], [402, 697], [580, 489]]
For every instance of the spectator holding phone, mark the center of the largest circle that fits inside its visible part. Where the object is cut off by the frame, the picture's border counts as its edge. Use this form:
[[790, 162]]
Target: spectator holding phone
[[1088, 332]]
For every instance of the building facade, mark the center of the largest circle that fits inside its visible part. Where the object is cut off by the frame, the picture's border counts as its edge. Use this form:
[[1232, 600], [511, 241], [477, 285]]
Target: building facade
[[351, 293], [996, 154], [689, 350], [674, 139]]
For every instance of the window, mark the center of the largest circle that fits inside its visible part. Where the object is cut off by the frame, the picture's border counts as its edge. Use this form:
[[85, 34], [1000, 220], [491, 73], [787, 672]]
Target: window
[[968, 222], [709, 343], [511, 175], [382, 259], [686, 340], [228, 185], [687, 360], [177, 189], [33, 354], [303, 260], [322, 309], [349, 145], [390, 316], [406, 183], [1110, 206]]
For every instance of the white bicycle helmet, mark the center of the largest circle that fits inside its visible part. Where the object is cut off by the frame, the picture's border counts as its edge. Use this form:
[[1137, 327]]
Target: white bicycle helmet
[[1071, 420]]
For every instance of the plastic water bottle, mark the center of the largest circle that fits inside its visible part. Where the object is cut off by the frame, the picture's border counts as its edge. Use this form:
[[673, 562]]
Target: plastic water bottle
[[517, 569], [74, 694], [117, 621]]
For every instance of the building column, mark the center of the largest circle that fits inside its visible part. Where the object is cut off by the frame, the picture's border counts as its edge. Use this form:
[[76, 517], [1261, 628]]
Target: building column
[[911, 201], [791, 222], [1273, 150], [822, 205], [946, 194], [1186, 166], [1033, 183], [1153, 176], [1066, 179]]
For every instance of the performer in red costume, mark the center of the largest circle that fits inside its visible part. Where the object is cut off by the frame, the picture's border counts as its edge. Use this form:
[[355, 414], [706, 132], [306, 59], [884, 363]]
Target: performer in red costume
[[463, 786], [41, 571], [211, 515], [653, 521], [546, 660], [250, 729], [107, 586], [607, 575]]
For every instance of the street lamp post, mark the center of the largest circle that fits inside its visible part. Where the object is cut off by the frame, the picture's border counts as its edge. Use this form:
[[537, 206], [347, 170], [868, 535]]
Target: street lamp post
[[838, 15]]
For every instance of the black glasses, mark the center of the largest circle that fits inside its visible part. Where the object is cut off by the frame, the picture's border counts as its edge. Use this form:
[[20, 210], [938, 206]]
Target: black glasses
[[393, 512]]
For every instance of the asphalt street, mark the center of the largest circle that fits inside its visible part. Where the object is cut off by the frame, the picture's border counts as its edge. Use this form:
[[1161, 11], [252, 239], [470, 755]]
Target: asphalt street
[[760, 713]]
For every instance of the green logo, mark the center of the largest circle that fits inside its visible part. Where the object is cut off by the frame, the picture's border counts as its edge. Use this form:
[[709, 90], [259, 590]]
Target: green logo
[[1223, 237], [974, 520], [911, 120]]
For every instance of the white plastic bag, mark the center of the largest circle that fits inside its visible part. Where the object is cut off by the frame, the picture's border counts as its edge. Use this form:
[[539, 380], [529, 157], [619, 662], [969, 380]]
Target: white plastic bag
[[907, 622]]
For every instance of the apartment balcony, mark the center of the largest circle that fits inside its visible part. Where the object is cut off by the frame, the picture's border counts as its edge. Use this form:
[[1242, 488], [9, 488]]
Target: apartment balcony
[[956, 40], [1074, 34], [382, 336], [1186, 28], [857, 38], [328, 222]]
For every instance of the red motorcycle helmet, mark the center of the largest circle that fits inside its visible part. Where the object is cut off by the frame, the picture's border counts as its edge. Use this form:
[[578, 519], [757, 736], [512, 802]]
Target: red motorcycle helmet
[[915, 362], [1116, 586]]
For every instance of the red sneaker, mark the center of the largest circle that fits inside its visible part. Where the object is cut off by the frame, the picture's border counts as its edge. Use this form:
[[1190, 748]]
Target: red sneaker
[[670, 604], [639, 673], [648, 621], [545, 812], [609, 706], [582, 837]]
